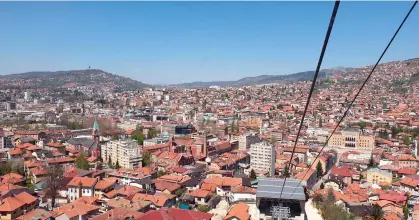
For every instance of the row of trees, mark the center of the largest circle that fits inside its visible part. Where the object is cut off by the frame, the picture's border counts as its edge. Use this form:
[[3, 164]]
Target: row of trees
[[12, 166], [329, 210], [139, 136]]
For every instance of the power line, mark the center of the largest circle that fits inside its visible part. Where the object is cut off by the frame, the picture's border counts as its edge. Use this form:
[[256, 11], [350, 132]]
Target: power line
[[360, 89], [319, 63]]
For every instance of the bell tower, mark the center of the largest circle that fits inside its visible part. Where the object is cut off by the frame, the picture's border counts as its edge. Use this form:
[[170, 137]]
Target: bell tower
[[96, 137]]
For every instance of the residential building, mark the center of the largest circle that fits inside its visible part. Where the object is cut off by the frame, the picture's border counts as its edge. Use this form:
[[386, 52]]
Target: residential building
[[242, 193], [263, 157], [81, 186], [238, 211], [344, 175], [103, 186], [125, 152], [155, 141], [246, 140], [377, 176], [16, 205]]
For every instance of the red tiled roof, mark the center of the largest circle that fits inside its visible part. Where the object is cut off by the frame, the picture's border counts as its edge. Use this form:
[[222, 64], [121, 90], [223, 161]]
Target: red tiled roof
[[117, 214], [175, 214], [12, 178], [105, 183], [239, 211], [14, 202], [200, 193], [393, 196], [15, 152], [75, 209], [342, 171], [84, 181], [407, 171]]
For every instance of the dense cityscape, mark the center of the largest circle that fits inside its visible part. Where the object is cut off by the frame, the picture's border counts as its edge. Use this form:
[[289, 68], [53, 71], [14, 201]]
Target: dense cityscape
[[113, 148]]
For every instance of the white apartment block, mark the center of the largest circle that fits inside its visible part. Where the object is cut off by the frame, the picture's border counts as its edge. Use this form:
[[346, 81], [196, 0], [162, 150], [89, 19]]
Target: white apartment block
[[126, 152], [262, 157], [246, 140]]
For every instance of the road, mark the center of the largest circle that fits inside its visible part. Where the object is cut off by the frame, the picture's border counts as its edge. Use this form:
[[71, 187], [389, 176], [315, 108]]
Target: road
[[311, 212]]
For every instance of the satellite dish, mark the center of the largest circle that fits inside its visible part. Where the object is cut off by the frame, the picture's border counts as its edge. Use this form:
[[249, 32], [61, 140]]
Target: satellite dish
[[208, 160]]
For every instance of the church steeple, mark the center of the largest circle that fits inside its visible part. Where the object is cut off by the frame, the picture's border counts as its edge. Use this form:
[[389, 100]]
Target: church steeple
[[95, 131]]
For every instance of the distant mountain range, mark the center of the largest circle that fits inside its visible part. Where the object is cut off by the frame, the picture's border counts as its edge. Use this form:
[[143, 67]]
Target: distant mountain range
[[257, 80], [100, 79], [67, 79], [295, 77]]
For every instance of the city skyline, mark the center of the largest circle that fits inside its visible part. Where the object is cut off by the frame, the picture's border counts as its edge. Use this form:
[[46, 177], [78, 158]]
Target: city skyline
[[169, 43]]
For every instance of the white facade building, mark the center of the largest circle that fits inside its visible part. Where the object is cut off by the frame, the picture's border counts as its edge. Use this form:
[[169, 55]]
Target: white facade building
[[262, 157], [80, 186], [125, 152]]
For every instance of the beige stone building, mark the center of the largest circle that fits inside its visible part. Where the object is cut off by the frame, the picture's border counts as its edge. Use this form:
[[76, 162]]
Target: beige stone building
[[352, 138]]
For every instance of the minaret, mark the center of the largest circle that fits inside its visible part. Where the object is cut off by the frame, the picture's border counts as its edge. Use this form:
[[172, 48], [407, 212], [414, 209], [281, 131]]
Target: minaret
[[96, 136]]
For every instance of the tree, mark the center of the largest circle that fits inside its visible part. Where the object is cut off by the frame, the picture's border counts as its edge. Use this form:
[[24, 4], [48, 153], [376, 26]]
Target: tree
[[252, 175], [372, 162], [362, 124], [29, 185], [146, 159], [110, 165], [319, 170], [179, 192], [152, 133], [406, 140], [330, 196], [138, 136], [42, 135], [53, 180], [376, 212], [160, 173], [286, 172], [320, 122], [20, 169], [117, 165], [6, 168], [203, 208], [82, 163], [406, 212], [318, 198], [99, 158]]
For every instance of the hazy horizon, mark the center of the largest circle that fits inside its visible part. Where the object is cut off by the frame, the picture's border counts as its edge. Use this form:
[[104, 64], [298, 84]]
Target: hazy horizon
[[183, 42]]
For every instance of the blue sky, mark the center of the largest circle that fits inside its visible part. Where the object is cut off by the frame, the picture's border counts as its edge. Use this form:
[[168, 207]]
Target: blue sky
[[175, 42]]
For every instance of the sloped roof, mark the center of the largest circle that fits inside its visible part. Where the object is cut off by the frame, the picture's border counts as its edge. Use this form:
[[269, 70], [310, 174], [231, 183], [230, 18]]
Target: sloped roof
[[86, 142], [239, 211], [271, 188], [175, 214], [117, 214], [14, 202]]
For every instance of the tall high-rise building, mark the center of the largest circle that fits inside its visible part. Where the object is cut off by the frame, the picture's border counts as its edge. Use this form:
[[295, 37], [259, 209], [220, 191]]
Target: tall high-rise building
[[125, 152], [263, 157], [27, 96]]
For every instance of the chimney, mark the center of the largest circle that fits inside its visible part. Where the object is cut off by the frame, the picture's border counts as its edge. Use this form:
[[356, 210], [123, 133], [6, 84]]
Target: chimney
[[170, 143], [205, 146], [80, 189]]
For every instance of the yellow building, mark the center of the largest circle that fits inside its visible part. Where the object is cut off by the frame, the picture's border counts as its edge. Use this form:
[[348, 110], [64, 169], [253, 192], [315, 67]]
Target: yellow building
[[376, 176], [352, 138]]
